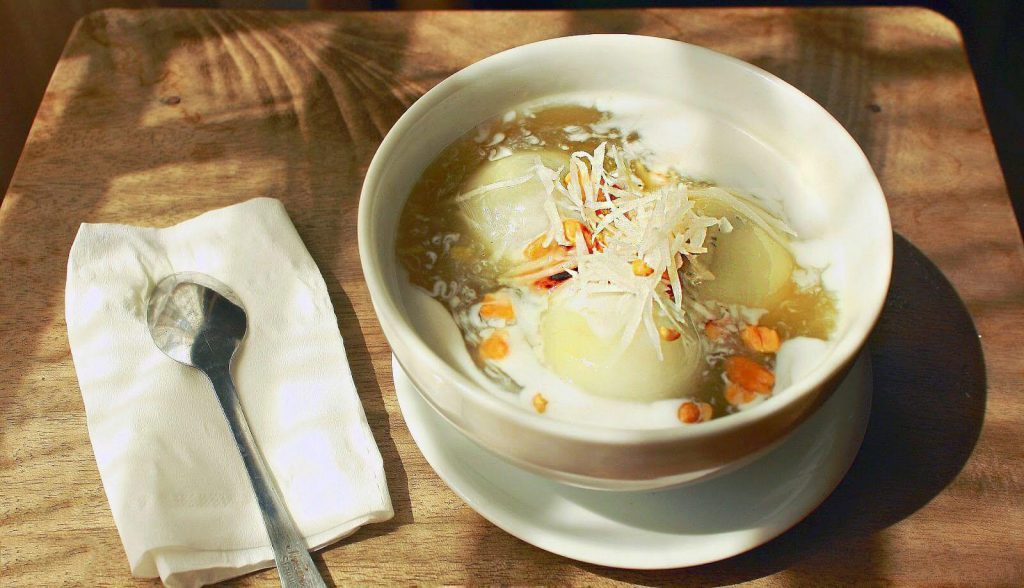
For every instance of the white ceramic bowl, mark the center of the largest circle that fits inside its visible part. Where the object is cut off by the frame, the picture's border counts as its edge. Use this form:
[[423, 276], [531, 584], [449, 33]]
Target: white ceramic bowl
[[748, 130]]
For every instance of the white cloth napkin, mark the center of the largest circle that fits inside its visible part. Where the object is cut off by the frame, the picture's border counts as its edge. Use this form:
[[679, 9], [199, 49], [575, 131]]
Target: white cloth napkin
[[175, 481]]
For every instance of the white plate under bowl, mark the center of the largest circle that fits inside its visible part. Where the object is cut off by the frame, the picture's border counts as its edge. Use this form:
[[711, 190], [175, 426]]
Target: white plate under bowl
[[681, 527]]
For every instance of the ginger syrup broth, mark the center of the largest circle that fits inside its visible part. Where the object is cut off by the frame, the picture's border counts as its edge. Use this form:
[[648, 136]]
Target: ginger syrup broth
[[594, 285]]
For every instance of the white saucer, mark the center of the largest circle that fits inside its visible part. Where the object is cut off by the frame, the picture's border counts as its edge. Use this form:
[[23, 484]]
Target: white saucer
[[674, 528]]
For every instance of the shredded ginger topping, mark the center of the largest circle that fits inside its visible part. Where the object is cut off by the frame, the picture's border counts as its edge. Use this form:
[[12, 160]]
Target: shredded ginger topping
[[640, 229]]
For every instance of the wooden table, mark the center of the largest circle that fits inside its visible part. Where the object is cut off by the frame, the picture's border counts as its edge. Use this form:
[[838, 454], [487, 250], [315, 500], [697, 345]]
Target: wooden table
[[154, 116]]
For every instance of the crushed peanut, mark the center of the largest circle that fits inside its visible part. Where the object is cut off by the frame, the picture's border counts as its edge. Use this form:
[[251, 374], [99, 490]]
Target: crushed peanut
[[540, 404], [668, 334], [761, 339], [495, 346], [749, 374], [640, 268], [688, 412], [494, 307]]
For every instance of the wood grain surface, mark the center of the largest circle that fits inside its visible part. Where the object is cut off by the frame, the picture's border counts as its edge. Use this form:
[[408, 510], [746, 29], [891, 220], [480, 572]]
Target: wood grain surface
[[155, 116]]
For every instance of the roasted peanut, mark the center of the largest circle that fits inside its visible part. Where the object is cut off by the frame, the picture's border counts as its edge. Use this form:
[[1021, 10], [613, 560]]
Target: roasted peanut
[[495, 346], [668, 334], [688, 412], [761, 339], [749, 374], [640, 268], [497, 308], [694, 412], [706, 412]]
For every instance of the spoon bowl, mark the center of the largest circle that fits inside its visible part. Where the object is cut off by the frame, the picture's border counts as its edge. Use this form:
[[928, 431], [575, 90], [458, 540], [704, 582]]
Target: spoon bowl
[[195, 320]]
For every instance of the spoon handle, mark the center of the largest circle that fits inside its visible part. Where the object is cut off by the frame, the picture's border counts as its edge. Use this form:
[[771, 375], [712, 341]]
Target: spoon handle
[[293, 562]]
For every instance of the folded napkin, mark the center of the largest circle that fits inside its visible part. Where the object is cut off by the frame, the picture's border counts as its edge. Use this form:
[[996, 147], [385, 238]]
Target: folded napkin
[[170, 468]]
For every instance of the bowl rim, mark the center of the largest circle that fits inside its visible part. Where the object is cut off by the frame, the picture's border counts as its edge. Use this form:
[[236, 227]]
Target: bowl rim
[[404, 339]]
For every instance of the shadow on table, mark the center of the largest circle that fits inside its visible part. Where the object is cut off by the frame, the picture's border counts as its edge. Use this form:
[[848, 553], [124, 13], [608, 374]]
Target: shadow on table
[[372, 398], [928, 406], [350, 105]]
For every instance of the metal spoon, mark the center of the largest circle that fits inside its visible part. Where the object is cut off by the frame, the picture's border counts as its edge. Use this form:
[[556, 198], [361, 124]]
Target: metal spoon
[[198, 321]]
